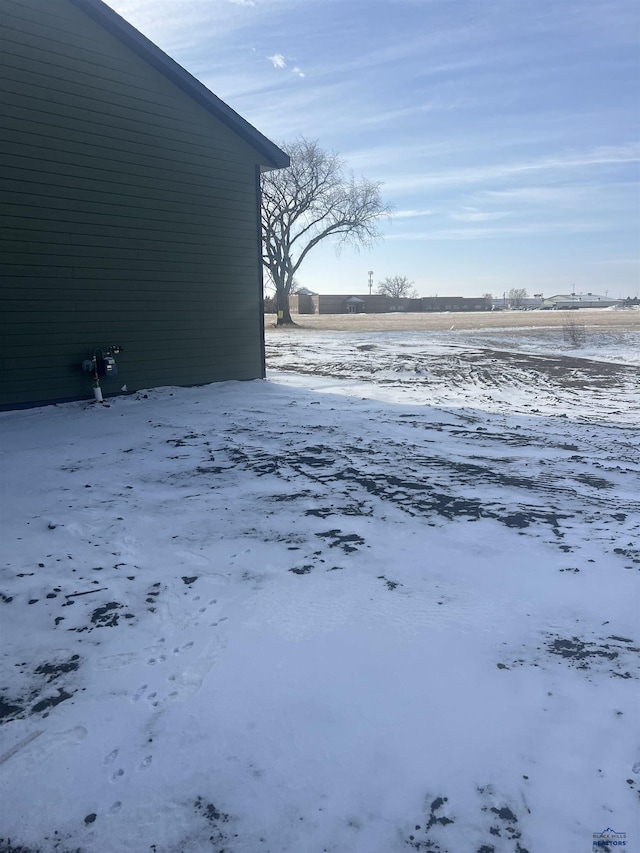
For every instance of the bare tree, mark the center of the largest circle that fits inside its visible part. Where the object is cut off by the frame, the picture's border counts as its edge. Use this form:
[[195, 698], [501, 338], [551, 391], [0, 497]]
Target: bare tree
[[573, 330], [517, 295], [397, 287], [312, 200]]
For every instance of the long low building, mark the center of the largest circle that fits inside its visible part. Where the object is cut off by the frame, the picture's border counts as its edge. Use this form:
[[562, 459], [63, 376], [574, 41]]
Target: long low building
[[306, 302], [456, 303], [563, 302]]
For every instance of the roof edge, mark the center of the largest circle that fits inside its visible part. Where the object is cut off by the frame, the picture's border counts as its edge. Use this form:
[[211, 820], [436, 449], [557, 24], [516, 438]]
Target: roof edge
[[104, 15]]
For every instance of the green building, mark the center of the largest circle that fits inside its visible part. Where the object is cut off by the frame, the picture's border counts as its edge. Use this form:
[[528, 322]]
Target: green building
[[129, 202]]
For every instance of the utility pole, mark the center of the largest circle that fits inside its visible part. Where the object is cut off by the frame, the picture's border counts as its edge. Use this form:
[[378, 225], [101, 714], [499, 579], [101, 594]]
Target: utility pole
[[370, 281]]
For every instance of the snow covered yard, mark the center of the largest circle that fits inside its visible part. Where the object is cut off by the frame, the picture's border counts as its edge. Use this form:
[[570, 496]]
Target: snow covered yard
[[386, 601]]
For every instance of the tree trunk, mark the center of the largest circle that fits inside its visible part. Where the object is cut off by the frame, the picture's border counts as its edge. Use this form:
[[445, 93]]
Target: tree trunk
[[284, 314]]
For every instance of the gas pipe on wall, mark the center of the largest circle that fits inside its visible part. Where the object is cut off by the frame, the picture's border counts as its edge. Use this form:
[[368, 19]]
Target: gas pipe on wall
[[102, 363]]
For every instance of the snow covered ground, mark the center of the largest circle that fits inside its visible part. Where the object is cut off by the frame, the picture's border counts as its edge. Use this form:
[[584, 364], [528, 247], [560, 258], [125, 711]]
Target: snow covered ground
[[385, 601]]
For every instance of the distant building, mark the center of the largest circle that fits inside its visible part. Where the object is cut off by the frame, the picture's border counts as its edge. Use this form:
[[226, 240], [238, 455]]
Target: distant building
[[570, 301], [522, 303], [455, 303], [306, 302]]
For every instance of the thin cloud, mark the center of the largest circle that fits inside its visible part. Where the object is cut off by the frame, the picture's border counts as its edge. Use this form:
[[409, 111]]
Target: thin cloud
[[632, 263], [411, 214], [539, 194], [613, 155], [507, 231], [478, 216], [406, 112]]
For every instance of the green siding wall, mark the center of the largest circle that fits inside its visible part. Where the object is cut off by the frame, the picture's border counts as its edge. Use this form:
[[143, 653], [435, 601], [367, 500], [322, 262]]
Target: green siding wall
[[129, 215]]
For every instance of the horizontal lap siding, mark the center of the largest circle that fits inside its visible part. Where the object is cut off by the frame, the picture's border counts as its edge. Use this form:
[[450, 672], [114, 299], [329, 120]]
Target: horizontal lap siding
[[129, 216]]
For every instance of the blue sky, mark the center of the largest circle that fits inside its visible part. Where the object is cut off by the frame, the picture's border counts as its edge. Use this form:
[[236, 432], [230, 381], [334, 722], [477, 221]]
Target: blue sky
[[506, 132]]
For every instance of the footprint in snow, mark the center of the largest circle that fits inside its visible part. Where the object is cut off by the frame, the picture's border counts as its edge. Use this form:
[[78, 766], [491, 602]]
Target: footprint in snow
[[139, 693], [146, 762], [158, 646], [116, 661], [184, 648], [111, 757]]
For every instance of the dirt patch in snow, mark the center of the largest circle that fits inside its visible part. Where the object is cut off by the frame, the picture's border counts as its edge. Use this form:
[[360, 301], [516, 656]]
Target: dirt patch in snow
[[42, 689], [617, 657]]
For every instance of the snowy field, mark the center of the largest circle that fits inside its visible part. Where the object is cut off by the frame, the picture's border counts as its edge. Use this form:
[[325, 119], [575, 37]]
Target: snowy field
[[386, 601]]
